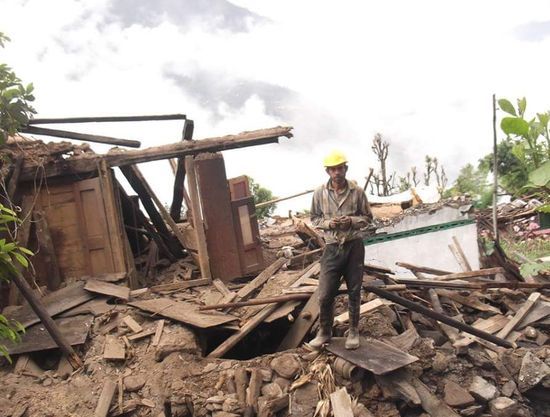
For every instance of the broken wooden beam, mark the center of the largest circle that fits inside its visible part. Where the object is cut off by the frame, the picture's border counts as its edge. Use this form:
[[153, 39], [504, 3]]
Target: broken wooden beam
[[105, 119], [180, 285], [276, 200], [363, 310], [106, 288], [258, 301], [33, 130], [461, 257], [145, 187], [437, 316], [424, 269], [176, 150], [182, 312], [471, 274], [520, 314], [260, 280], [142, 190], [105, 399]]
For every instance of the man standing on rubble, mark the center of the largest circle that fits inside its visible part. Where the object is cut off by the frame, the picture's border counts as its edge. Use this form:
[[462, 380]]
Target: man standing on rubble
[[340, 209]]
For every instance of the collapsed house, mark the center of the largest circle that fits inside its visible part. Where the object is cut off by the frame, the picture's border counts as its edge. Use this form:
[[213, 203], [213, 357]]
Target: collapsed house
[[209, 316]]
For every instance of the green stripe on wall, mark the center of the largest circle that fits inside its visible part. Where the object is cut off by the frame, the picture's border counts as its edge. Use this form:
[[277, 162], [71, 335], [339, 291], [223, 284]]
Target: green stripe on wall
[[373, 240]]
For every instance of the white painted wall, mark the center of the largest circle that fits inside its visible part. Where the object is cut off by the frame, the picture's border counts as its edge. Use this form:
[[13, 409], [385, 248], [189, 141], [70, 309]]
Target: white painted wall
[[428, 249]]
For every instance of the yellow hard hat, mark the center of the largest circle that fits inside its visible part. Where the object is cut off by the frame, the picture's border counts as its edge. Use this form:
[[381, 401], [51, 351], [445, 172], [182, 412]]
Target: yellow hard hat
[[335, 158]]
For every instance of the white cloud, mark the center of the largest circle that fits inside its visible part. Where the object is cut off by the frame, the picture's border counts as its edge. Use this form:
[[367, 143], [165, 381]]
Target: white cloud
[[421, 73]]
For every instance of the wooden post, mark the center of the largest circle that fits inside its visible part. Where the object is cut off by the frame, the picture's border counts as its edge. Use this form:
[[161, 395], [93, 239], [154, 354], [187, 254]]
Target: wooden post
[[198, 225], [179, 181], [48, 322]]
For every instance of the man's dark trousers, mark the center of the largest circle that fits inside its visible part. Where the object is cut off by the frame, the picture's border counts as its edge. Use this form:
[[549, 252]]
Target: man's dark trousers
[[337, 261]]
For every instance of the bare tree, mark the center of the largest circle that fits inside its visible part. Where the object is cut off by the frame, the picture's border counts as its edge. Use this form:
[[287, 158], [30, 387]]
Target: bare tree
[[380, 149], [415, 181]]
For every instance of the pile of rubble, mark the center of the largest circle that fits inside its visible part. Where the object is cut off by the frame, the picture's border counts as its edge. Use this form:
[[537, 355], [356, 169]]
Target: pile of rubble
[[180, 348]]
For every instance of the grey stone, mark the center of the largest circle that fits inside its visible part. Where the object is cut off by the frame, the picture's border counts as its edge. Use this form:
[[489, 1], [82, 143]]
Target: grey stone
[[440, 362], [232, 405], [305, 400], [134, 383], [283, 383], [180, 339], [482, 389], [456, 396], [532, 371], [472, 411], [530, 332], [286, 365], [503, 407], [272, 390], [508, 388], [224, 414]]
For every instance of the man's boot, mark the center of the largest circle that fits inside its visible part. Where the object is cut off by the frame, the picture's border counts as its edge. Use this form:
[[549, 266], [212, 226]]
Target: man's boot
[[326, 319], [352, 341]]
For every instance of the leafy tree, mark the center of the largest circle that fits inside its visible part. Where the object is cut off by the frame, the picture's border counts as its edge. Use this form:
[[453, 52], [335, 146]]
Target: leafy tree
[[12, 257], [526, 147], [15, 98], [472, 181], [15, 112], [261, 195]]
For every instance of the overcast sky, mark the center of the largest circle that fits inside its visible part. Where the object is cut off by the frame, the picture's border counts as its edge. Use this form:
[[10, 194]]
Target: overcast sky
[[419, 72]]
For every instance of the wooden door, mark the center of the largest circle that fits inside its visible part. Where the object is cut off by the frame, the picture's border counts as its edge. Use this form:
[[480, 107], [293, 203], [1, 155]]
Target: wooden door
[[78, 220]]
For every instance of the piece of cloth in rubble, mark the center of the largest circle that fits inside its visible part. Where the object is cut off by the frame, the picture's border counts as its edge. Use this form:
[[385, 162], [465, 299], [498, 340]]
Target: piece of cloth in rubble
[[351, 201]]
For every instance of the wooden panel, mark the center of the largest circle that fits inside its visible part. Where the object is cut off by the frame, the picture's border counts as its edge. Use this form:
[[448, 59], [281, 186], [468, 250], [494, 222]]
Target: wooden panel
[[218, 220], [246, 229], [59, 205], [55, 303], [239, 187], [184, 312], [74, 330], [94, 227]]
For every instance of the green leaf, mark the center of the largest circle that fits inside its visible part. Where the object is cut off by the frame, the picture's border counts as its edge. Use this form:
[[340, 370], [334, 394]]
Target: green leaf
[[543, 119], [506, 106], [518, 150], [21, 259], [25, 250], [522, 105], [514, 126], [541, 175]]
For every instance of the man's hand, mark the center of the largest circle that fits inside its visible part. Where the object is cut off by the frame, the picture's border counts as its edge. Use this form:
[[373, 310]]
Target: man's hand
[[345, 222], [334, 223]]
